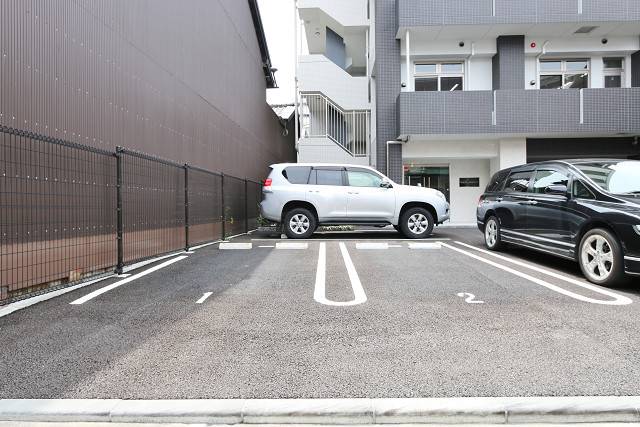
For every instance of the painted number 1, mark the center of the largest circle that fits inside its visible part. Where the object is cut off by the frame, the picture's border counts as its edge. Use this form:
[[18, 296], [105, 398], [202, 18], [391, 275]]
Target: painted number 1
[[469, 298]]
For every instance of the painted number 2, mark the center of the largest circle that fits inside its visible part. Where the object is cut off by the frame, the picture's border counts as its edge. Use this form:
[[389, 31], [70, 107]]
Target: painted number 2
[[469, 298]]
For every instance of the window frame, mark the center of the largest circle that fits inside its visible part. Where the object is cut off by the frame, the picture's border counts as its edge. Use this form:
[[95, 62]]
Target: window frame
[[438, 74], [362, 170], [613, 72], [564, 71], [343, 178], [506, 189], [553, 169]]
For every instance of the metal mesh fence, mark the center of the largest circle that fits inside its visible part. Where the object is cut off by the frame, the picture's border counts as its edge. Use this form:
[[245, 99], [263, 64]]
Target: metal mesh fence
[[153, 207], [57, 213], [68, 211], [205, 206]]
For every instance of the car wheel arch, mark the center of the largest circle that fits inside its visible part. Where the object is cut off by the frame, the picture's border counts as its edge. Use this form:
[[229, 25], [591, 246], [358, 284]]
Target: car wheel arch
[[593, 224], [293, 204], [424, 205]]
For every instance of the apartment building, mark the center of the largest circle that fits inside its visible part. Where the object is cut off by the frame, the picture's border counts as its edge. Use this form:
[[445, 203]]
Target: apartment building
[[463, 88]]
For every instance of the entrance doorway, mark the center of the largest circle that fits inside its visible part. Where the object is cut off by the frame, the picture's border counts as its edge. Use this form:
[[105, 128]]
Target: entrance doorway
[[429, 176]]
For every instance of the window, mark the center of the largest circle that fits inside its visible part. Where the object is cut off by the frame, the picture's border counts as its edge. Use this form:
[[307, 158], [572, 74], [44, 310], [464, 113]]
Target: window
[[363, 178], [496, 182], [432, 77], [518, 181], [616, 176], [297, 174], [564, 74], [613, 72], [327, 177], [545, 178], [581, 191]]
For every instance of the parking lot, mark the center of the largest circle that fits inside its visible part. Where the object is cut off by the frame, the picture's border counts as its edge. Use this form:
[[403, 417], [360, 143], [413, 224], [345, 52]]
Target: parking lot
[[356, 314]]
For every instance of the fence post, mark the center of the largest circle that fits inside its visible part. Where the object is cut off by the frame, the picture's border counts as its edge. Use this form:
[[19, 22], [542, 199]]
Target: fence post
[[224, 212], [186, 207], [119, 224], [246, 206]]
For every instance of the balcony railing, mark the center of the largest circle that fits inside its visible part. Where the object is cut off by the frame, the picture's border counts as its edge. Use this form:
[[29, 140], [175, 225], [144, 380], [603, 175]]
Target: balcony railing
[[416, 13], [527, 112], [322, 118]]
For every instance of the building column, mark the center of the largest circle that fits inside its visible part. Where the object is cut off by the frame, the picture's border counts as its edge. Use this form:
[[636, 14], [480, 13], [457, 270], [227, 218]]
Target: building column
[[508, 63], [512, 152]]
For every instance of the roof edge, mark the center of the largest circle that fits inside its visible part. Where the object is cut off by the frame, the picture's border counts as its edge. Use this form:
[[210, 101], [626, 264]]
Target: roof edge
[[269, 74]]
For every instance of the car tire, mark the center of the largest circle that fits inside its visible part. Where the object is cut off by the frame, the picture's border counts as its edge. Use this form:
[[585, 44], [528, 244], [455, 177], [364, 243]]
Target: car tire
[[492, 235], [299, 223], [600, 257], [416, 223]]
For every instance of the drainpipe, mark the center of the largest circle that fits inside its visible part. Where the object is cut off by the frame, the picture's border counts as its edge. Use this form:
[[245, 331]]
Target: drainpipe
[[467, 79], [408, 53], [544, 51], [295, 79]]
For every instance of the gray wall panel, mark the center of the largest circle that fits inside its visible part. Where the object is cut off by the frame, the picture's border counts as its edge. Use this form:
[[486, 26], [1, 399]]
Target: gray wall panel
[[614, 110], [412, 13], [508, 63]]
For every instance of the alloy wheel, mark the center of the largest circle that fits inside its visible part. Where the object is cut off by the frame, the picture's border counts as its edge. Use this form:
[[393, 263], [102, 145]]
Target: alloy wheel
[[491, 233], [597, 257], [418, 223], [299, 224]]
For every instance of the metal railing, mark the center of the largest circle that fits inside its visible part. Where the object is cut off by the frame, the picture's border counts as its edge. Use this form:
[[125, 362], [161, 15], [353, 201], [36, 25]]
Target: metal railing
[[322, 118], [68, 212]]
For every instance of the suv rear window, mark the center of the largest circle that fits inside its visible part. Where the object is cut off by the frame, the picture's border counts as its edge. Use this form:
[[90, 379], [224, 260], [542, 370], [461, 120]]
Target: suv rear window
[[496, 182], [297, 174]]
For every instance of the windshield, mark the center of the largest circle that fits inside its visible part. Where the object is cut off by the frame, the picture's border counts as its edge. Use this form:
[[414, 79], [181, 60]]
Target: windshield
[[621, 177]]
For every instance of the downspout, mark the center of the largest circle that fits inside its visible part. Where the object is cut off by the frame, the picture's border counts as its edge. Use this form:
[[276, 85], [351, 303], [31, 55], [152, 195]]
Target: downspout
[[295, 79], [540, 55], [467, 81]]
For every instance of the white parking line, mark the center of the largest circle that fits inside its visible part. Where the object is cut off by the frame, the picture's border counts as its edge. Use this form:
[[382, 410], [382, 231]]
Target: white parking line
[[112, 286], [235, 246], [319, 293], [292, 245], [266, 246], [617, 299], [372, 246], [436, 245], [204, 297]]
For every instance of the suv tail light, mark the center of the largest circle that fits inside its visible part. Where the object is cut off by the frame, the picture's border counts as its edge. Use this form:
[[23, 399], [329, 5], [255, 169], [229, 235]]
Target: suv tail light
[[266, 185]]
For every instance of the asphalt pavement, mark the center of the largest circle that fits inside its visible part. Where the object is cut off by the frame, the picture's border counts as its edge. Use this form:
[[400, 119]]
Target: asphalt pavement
[[341, 315]]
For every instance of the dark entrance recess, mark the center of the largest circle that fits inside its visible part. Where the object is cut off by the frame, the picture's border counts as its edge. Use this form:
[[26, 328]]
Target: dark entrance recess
[[576, 148]]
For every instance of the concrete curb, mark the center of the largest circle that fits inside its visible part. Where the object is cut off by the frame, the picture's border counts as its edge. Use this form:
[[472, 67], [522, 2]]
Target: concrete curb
[[483, 410]]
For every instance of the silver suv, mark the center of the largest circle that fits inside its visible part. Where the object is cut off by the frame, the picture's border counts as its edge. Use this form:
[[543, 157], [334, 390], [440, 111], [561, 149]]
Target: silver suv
[[303, 196]]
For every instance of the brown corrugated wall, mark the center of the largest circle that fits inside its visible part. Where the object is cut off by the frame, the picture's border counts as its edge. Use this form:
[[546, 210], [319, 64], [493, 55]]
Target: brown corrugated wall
[[180, 80]]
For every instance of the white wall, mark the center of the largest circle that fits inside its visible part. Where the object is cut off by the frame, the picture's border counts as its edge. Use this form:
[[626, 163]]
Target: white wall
[[465, 200], [323, 150], [346, 12], [581, 47], [318, 73]]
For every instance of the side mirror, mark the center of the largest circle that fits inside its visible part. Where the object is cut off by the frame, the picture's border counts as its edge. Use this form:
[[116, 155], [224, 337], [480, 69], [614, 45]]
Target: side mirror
[[386, 184], [557, 190]]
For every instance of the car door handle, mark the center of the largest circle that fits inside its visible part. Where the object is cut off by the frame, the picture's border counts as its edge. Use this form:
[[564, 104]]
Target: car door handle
[[499, 199], [532, 202]]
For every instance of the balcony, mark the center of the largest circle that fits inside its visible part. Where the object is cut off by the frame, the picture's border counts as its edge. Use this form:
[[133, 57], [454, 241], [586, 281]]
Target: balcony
[[520, 112], [420, 13]]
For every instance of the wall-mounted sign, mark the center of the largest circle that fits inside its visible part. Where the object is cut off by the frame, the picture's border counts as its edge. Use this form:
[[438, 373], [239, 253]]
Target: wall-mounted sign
[[469, 182]]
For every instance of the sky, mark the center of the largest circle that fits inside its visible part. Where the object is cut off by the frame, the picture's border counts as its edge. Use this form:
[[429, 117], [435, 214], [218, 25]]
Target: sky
[[278, 21]]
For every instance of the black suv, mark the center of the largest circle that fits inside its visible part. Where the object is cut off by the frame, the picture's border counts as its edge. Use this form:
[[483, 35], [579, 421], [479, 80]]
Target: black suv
[[583, 210]]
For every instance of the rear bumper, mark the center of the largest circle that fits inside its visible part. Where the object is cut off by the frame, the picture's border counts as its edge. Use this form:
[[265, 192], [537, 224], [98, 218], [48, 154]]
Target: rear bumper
[[632, 264], [270, 208]]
